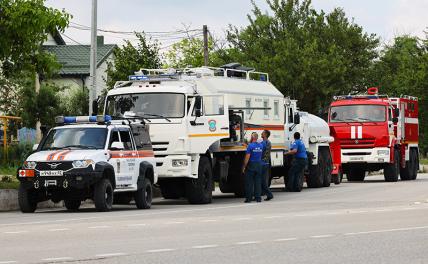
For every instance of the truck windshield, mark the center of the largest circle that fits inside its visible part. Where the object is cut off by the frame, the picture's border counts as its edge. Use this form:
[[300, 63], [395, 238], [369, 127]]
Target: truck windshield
[[148, 105], [358, 113], [79, 138]]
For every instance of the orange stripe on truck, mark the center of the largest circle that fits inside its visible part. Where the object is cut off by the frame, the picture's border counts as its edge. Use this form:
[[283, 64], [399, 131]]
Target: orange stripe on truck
[[210, 135]]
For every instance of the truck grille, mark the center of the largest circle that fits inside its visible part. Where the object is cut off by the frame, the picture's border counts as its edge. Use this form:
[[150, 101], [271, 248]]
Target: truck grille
[[53, 165], [160, 148], [357, 143]]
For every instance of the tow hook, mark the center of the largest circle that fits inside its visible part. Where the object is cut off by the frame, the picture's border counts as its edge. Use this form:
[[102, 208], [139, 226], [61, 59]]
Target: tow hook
[[65, 184], [36, 184]]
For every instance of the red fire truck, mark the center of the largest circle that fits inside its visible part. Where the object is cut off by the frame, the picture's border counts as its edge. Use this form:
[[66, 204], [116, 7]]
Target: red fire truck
[[373, 132]]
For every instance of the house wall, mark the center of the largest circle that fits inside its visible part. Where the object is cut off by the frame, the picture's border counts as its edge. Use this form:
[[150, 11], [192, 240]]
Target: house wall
[[101, 76]]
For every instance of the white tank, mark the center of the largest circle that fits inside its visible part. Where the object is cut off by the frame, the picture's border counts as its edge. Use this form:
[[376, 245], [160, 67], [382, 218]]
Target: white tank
[[314, 129]]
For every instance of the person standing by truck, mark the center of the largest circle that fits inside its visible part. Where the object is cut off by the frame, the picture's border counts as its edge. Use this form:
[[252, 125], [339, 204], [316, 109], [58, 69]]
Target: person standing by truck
[[299, 163], [267, 147], [253, 169]]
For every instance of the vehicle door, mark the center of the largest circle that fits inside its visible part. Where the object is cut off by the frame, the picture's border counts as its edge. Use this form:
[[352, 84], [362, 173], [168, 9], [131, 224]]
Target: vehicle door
[[117, 157], [208, 121], [129, 157]]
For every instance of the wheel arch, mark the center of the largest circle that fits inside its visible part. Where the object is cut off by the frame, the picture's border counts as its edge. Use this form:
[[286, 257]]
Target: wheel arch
[[108, 172], [145, 170]]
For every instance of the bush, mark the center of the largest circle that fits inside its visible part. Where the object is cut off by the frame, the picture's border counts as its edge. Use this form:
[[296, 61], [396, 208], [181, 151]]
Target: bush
[[16, 155]]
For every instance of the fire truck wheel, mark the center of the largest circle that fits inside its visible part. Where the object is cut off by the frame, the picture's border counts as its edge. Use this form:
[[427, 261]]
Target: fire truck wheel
[[143, 197], [356, 174], [103, 195], [416, 162], [27, 200], [199, 191], [72, 205], [337, 179], [122, 198], [391, 170]]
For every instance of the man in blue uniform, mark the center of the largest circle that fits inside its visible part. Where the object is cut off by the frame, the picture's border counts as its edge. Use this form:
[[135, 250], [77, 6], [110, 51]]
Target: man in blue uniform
[[298, 165], [267, 147], [253, 169]]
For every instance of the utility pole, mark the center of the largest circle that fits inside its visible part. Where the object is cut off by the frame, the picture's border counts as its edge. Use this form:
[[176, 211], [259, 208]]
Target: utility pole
[[93, 58], [205, 31]]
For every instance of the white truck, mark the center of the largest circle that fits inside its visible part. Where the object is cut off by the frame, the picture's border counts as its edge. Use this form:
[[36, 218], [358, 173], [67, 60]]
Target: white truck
[[90, 158], [201, 118]]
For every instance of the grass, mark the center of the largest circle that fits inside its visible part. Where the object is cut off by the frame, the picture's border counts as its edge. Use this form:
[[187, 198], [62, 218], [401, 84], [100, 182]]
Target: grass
[[424, 161], [8, 178]]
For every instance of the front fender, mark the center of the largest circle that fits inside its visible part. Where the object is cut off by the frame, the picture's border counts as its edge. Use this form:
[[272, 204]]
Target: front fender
[[146, 170]]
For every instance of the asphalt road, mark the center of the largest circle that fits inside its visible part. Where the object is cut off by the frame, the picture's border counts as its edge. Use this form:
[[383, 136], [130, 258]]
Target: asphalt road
[[370, 222]]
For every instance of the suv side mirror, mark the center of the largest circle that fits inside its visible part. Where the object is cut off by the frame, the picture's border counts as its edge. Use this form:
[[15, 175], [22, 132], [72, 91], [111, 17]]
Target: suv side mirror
[[396, 112], [296, 118], [35, 146], [198, 106], [395, 120], [116, 145]]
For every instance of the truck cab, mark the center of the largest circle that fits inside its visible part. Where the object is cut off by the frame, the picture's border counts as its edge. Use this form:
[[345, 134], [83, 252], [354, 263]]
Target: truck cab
[[89, 158]]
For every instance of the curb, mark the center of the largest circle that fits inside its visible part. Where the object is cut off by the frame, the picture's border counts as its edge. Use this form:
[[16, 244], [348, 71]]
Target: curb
[[9, 201]]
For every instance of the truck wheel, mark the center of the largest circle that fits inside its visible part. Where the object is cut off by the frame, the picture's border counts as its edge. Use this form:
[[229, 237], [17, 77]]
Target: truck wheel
[[199, 191], [416, 162], [225, 186], [103, 195], [316, 175], [27, 200], [72, 205], [239, 184], [122, 198], [327, 167], [356, 174], [407, 171], [143, 197], [391, 170], [337, 178]]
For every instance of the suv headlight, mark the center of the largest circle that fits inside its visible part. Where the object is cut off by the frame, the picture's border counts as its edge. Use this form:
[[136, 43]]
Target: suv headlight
[[179, 162], [82, 163], [383, 152], [30, 165]]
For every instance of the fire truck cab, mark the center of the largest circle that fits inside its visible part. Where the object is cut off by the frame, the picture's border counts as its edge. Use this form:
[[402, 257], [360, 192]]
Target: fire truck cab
[[374, 132]]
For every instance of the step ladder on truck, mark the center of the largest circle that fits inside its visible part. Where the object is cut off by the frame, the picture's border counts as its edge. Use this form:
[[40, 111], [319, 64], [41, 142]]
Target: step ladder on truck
[[201, 119], [375, 132]]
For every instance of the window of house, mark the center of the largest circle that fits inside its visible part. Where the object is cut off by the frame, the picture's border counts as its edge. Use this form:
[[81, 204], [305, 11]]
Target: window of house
[[276, 109]]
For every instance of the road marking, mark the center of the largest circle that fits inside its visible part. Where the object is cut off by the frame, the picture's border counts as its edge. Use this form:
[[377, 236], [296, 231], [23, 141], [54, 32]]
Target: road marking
[[242, 219], [285, 239], [132, 225], [57, 259], [8, 261], [110, 255], [273, 217], [333, 213], [98, 227], [387, 230], [174, 223], [160, 250], [15, 232], [417, 202], [357, 212], [321, 236], [58, 229], [298, 215], [209, 221], [205, 246], [247, 242]]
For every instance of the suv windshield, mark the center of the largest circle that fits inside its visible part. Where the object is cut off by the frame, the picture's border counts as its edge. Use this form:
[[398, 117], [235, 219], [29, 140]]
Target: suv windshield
[[358, 113], [148, 105], [81, 138]]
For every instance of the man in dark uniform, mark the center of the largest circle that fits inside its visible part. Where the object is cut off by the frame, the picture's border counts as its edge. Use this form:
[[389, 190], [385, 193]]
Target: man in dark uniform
[[253, 169], [267, 147], [298, 165]]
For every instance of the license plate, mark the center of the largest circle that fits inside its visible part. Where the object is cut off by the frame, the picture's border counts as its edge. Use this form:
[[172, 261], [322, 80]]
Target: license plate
[[356, 158], [51, 173]]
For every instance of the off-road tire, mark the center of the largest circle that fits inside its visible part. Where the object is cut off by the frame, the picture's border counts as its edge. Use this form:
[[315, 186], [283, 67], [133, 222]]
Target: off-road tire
[[316, 175], [27, 200], [144, 196], [391, 170], [199, 191], [72, 205], [412, 165], [103, 195]]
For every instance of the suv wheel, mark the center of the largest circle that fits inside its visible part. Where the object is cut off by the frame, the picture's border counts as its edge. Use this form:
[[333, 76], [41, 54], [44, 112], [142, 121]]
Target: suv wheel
[[143, 197], [27, 200], [103, 195]]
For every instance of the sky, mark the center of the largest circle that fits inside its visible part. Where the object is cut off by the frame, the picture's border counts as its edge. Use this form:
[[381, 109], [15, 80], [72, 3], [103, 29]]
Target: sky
[[385, 18]]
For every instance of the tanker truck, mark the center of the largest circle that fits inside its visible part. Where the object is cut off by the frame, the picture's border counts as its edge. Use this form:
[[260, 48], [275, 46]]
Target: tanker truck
[[201, 119]]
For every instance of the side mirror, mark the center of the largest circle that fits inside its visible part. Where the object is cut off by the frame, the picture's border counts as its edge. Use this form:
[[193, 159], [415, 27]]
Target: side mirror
[[396, 112], [395, 120], [198, 106], [116, 145], [296, 118], [94, 107], [35, 147]]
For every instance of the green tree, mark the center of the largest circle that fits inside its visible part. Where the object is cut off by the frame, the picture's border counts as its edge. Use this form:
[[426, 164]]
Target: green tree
[[309, 55], [24, 26], [402, 69], [129, 59]]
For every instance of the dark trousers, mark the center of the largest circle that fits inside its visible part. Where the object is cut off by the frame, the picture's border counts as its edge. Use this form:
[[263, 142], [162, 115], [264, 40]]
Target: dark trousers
[[297, 169], [253, 176], [265, 174]]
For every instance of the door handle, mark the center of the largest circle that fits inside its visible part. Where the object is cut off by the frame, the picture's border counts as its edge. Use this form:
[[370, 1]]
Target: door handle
[[225, 128]]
